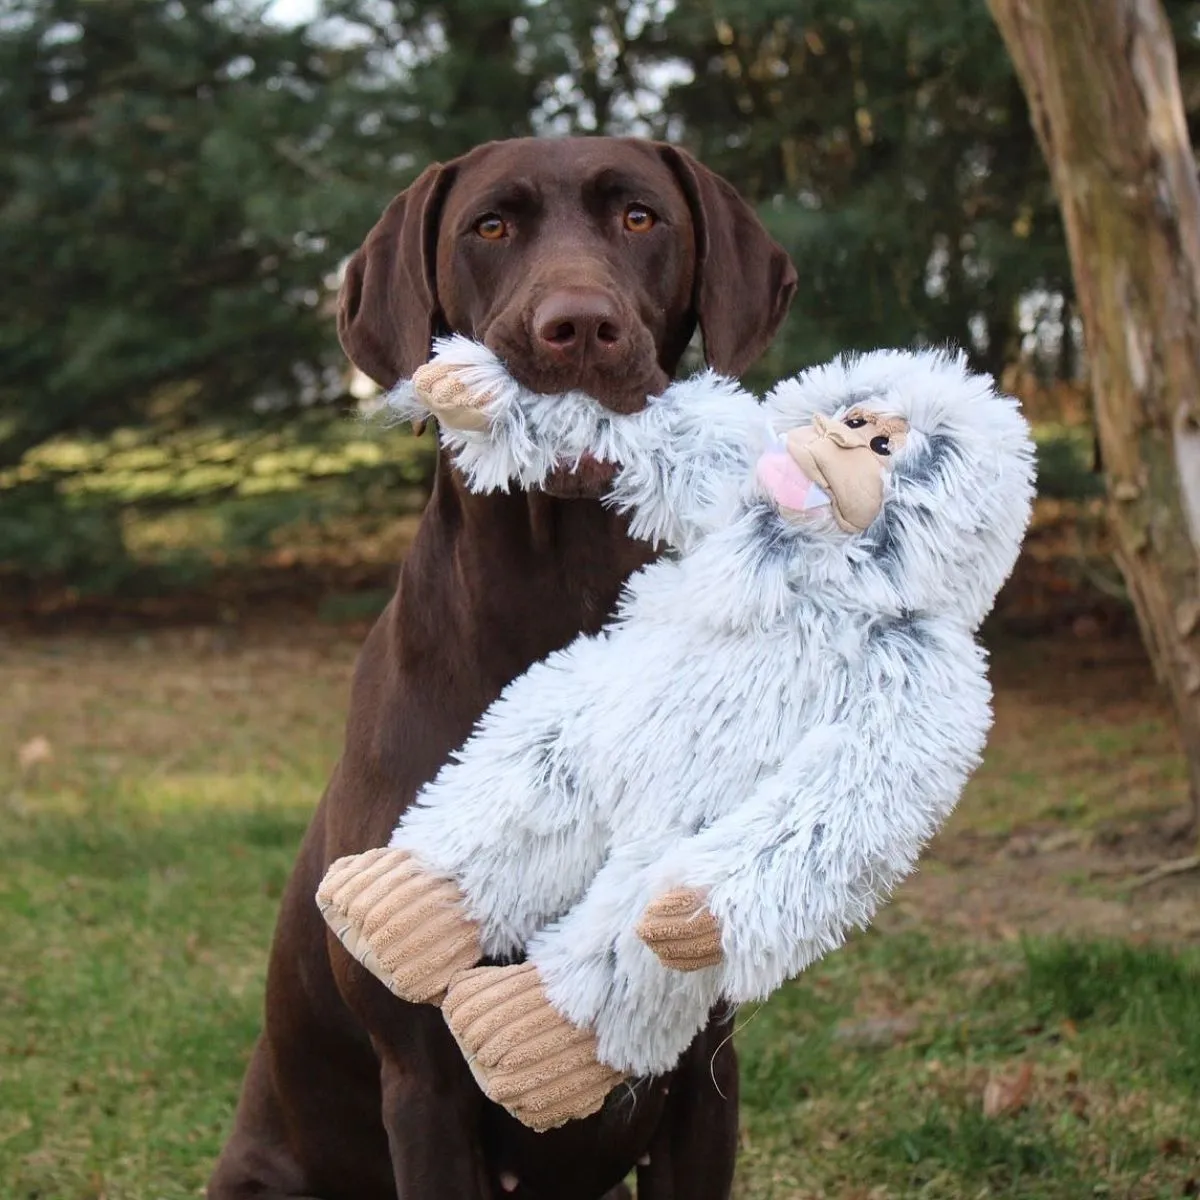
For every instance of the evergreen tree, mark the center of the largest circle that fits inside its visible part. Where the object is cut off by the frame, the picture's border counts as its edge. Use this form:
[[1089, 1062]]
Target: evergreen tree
[[890, 149], [180, 178]]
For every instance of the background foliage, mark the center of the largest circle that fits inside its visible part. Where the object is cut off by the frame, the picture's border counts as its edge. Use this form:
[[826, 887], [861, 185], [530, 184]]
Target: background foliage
[[181, 180]]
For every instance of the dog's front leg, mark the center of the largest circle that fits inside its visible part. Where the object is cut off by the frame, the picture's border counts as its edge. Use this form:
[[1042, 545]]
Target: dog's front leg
[[431, 1114], [694, 1151], [429, 1104]]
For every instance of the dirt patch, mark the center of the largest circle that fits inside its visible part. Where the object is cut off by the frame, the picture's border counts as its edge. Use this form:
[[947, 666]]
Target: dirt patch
[[1079, 717], [1056, 892]]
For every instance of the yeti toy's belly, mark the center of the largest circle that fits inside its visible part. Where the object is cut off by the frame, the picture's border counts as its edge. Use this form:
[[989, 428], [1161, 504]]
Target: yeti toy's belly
[[675, 726]]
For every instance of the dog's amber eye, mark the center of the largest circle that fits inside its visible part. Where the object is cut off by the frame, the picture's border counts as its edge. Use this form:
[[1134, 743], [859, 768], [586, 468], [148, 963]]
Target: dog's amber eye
[[855, 422], [491, 227], [638, 218]]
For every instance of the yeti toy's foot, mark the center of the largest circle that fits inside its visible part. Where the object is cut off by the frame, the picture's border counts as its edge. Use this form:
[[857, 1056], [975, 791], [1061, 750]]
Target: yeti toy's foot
[[404, 924], [523, 1053]]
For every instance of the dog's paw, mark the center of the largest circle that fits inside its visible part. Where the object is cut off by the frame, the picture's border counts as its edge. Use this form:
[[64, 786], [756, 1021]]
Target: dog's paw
[[440, 387], [523, 1053], [681, 930], [404, 924]]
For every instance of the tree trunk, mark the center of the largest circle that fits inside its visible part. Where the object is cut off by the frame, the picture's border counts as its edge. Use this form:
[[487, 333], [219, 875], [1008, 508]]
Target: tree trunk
[[1103, 89]]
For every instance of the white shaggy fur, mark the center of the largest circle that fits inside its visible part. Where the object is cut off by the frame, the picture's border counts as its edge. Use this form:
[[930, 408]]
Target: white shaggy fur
[[780, 713]]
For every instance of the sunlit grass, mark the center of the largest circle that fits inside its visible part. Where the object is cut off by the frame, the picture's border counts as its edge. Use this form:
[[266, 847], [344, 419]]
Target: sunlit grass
[[145, 509], [165, 508]]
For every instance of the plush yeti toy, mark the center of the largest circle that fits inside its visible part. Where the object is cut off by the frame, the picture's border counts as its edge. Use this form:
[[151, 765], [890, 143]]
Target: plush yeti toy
[[700, 801]]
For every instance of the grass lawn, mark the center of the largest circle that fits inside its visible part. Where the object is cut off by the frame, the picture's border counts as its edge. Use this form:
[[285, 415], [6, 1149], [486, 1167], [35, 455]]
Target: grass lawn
[[1015, 1026]]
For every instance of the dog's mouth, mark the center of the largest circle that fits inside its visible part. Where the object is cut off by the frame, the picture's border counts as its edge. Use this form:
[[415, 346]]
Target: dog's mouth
[[621, 382], [589, 479]]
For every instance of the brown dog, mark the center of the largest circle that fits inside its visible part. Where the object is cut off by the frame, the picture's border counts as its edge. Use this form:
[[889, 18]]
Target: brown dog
[[584, 263]]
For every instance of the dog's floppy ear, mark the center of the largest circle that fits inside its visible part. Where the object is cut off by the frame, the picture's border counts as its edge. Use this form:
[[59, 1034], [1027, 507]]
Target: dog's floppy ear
[[388, 306], [745, 280]]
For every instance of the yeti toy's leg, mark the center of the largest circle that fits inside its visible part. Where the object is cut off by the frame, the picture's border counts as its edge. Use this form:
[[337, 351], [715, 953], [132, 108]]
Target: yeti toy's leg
[[590, 1007], [514, 818], [598, 973], [505, 838]]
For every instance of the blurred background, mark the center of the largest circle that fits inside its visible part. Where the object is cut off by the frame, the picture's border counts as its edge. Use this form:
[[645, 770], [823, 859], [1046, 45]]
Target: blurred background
[[198, 518], [182, 183]]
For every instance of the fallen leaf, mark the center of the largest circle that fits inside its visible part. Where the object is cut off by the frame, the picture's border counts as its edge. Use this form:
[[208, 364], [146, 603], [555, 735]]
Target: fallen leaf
[[1007, 1094], [876, 1031], [34, 752]]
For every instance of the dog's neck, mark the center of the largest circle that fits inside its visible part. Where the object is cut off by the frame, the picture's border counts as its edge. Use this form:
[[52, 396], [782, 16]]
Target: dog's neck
[[494, 583]]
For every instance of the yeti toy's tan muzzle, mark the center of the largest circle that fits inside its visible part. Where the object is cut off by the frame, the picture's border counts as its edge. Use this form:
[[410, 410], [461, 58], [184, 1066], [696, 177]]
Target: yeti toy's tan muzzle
[[847, 459]]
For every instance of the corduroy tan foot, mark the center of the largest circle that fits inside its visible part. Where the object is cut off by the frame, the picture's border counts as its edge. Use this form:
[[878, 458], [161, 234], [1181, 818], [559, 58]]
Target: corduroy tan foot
[[523, 1053], [405, 925]]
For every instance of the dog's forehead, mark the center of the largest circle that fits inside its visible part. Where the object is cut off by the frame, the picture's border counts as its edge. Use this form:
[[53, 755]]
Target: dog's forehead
[[566, 170]]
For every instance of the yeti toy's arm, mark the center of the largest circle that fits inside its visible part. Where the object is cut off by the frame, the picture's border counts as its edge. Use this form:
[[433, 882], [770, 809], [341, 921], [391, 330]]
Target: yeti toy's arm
[[683, 459], [686, 459], [823, 840]]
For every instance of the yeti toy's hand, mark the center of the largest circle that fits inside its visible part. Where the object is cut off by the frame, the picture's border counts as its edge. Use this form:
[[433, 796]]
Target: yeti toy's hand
[[679, 928], [441, 388]]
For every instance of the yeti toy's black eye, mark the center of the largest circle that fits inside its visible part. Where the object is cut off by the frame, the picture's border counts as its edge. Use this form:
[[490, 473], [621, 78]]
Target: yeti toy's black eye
[[882, 444], [855, 422]]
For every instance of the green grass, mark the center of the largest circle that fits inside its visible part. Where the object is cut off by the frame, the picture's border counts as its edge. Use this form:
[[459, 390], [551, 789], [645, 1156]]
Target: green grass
[[132, 945], [145, 859], [1111, 1033]]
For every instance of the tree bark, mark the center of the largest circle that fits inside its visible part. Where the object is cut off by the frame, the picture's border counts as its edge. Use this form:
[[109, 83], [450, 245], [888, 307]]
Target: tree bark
[[1103, 89]]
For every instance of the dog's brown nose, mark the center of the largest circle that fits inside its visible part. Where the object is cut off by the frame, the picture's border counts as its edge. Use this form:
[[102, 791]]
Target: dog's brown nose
[[571, 324]]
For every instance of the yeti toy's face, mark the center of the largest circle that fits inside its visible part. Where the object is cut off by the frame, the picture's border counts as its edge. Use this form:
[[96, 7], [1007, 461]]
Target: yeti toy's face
[[904, 481], [833, 466]]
